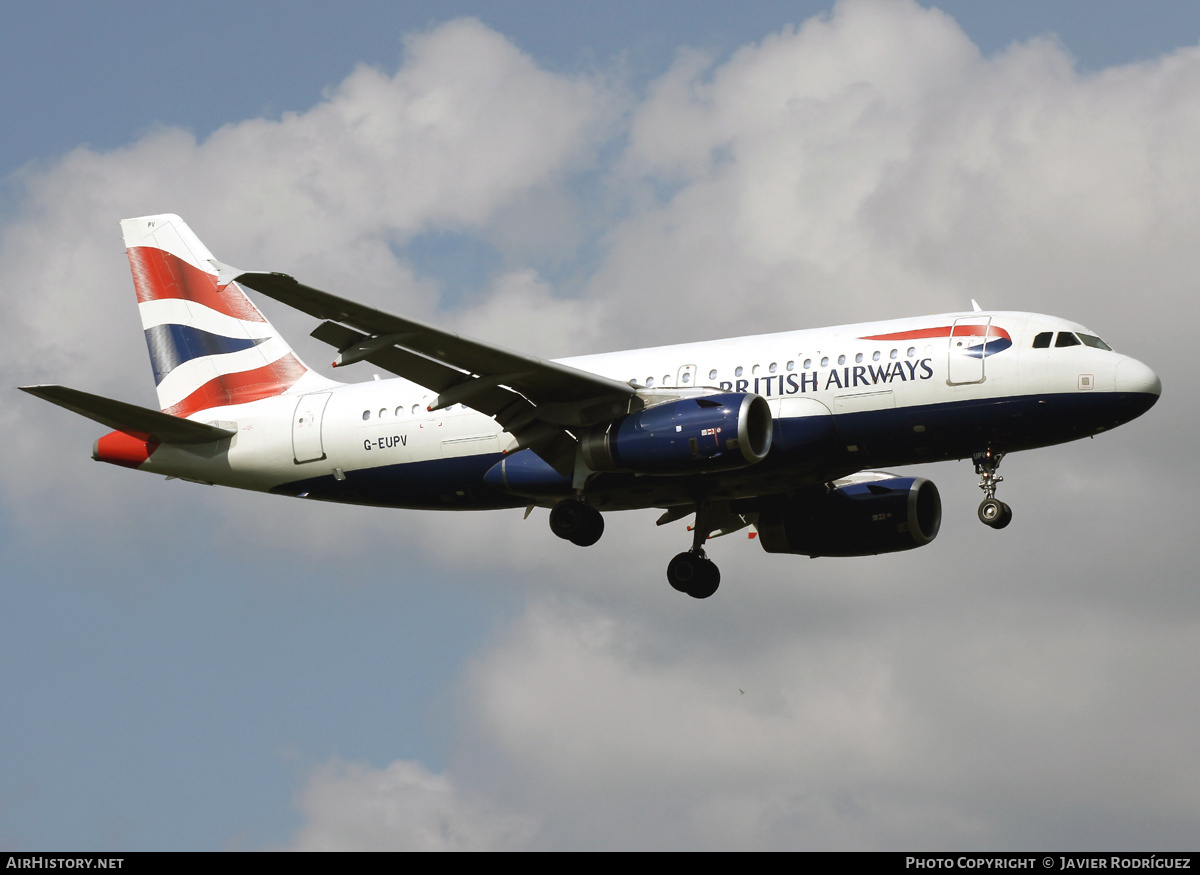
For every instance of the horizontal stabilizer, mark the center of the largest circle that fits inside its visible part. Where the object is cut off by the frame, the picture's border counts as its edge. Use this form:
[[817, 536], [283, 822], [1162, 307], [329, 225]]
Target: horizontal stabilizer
[[140, 422]]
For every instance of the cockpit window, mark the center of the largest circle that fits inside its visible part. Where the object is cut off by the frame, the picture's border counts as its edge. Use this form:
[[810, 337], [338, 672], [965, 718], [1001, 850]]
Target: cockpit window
[[1093, 341], [1066, 338], [1042, 341]]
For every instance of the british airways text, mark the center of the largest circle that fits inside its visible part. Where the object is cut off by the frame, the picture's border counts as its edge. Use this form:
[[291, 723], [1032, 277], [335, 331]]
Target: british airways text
[[847, 377]]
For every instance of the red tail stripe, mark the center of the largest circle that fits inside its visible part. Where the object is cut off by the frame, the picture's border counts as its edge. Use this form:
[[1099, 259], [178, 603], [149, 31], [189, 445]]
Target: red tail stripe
[[158, 274], [241, 388], [944, 331]]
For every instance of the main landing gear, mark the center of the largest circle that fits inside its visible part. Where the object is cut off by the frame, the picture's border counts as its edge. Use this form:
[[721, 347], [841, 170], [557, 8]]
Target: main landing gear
[[992, 511], [693, 572], [579, 523]]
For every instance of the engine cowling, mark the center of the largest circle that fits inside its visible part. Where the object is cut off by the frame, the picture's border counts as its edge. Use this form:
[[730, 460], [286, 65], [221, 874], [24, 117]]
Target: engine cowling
[[691, 435], [526, 473], [858, 519]]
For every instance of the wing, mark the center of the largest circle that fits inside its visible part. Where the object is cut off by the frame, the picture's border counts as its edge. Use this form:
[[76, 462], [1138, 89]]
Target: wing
[[535, 400]]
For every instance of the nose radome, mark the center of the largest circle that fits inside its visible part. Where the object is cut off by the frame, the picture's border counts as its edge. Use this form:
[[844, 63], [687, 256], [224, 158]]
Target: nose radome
[[1135, 377]]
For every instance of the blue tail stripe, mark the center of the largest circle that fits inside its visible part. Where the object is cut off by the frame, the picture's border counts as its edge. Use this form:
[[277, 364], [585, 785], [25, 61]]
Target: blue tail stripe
[[172, 345], [991, 346]]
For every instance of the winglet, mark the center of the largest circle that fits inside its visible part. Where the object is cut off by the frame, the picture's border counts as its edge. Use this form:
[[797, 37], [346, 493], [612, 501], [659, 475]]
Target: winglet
[[225, 273]]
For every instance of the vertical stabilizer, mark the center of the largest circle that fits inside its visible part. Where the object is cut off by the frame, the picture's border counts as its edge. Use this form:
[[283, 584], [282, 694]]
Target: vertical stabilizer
[[209, 345]]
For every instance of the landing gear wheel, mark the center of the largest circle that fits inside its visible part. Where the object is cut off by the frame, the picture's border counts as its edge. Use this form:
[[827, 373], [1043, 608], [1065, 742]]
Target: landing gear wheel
[[682, 571], [576, 522], [709, 580], [995, 513], [694, 574], [591, 529], [992, 511]]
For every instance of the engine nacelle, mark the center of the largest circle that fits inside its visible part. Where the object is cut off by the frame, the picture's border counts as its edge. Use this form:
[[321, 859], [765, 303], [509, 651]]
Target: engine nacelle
[[860, 519], [688, 436], [526, 473]]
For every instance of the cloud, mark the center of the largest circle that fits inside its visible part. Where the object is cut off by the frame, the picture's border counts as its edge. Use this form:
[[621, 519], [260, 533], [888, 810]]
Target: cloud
[[617, 730], [837, 172], [467, 127], [400, 808]]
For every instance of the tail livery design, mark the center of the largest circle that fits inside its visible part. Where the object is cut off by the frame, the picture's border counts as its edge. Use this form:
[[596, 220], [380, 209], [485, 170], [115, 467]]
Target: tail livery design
[[209, 345]]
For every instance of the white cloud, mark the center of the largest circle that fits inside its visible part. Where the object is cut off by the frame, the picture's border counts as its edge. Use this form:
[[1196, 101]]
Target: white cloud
[[403, 807], [467, 127]]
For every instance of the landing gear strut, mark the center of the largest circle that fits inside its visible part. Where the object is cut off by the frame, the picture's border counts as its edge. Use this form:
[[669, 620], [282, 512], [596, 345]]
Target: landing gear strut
[[992, 511], [576, 522], [693, 572]]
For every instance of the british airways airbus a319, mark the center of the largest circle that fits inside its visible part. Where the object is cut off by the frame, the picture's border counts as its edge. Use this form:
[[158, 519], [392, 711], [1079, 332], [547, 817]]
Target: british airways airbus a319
[[783, 433]]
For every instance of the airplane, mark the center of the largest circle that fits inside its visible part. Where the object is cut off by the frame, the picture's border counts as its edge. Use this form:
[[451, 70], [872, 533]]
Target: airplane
[[782, 434]]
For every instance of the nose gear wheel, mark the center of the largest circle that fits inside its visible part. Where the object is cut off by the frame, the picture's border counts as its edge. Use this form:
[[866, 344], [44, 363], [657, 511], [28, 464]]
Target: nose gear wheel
[[992, 511], [995, 513]]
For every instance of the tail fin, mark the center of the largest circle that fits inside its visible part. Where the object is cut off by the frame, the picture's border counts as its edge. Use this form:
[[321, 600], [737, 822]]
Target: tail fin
[[209, 345]]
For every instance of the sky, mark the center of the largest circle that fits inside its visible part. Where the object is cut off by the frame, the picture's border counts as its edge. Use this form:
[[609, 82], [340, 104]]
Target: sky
[[185, 667]]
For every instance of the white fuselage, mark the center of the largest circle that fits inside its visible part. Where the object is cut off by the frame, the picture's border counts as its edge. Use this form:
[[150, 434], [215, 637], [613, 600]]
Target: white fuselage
[[898, 392]]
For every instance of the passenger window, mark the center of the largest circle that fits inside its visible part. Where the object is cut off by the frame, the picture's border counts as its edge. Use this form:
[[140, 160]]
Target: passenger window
[[366, 415], [875, 356], [858, 357], [807, 364], [841, 359], [791, 366], [1042, 341], [712, 375], [737, 372], [1066, 338], [774, 367]]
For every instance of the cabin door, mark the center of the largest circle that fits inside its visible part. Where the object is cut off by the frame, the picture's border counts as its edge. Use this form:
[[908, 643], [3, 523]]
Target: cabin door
[[306, 427], [967, 339]]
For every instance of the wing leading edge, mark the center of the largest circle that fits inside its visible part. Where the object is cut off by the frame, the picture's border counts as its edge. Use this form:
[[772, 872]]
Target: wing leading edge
[[535, 400]]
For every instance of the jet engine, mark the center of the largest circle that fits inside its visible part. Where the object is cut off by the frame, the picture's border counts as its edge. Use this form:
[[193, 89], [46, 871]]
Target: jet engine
[[688, 436], [857, 519]]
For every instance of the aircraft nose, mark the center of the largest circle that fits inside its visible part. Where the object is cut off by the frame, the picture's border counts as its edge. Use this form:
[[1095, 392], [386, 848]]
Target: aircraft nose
[[1138, 379]]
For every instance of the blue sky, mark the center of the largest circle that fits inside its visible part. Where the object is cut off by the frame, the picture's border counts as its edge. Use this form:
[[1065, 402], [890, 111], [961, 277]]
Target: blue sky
[[185, 668]]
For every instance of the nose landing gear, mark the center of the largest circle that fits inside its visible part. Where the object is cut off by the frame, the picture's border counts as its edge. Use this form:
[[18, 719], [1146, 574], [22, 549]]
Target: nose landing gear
[[992, 511]]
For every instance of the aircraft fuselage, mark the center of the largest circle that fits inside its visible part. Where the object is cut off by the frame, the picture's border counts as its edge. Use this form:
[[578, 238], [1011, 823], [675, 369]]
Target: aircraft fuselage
[[842, 399]]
